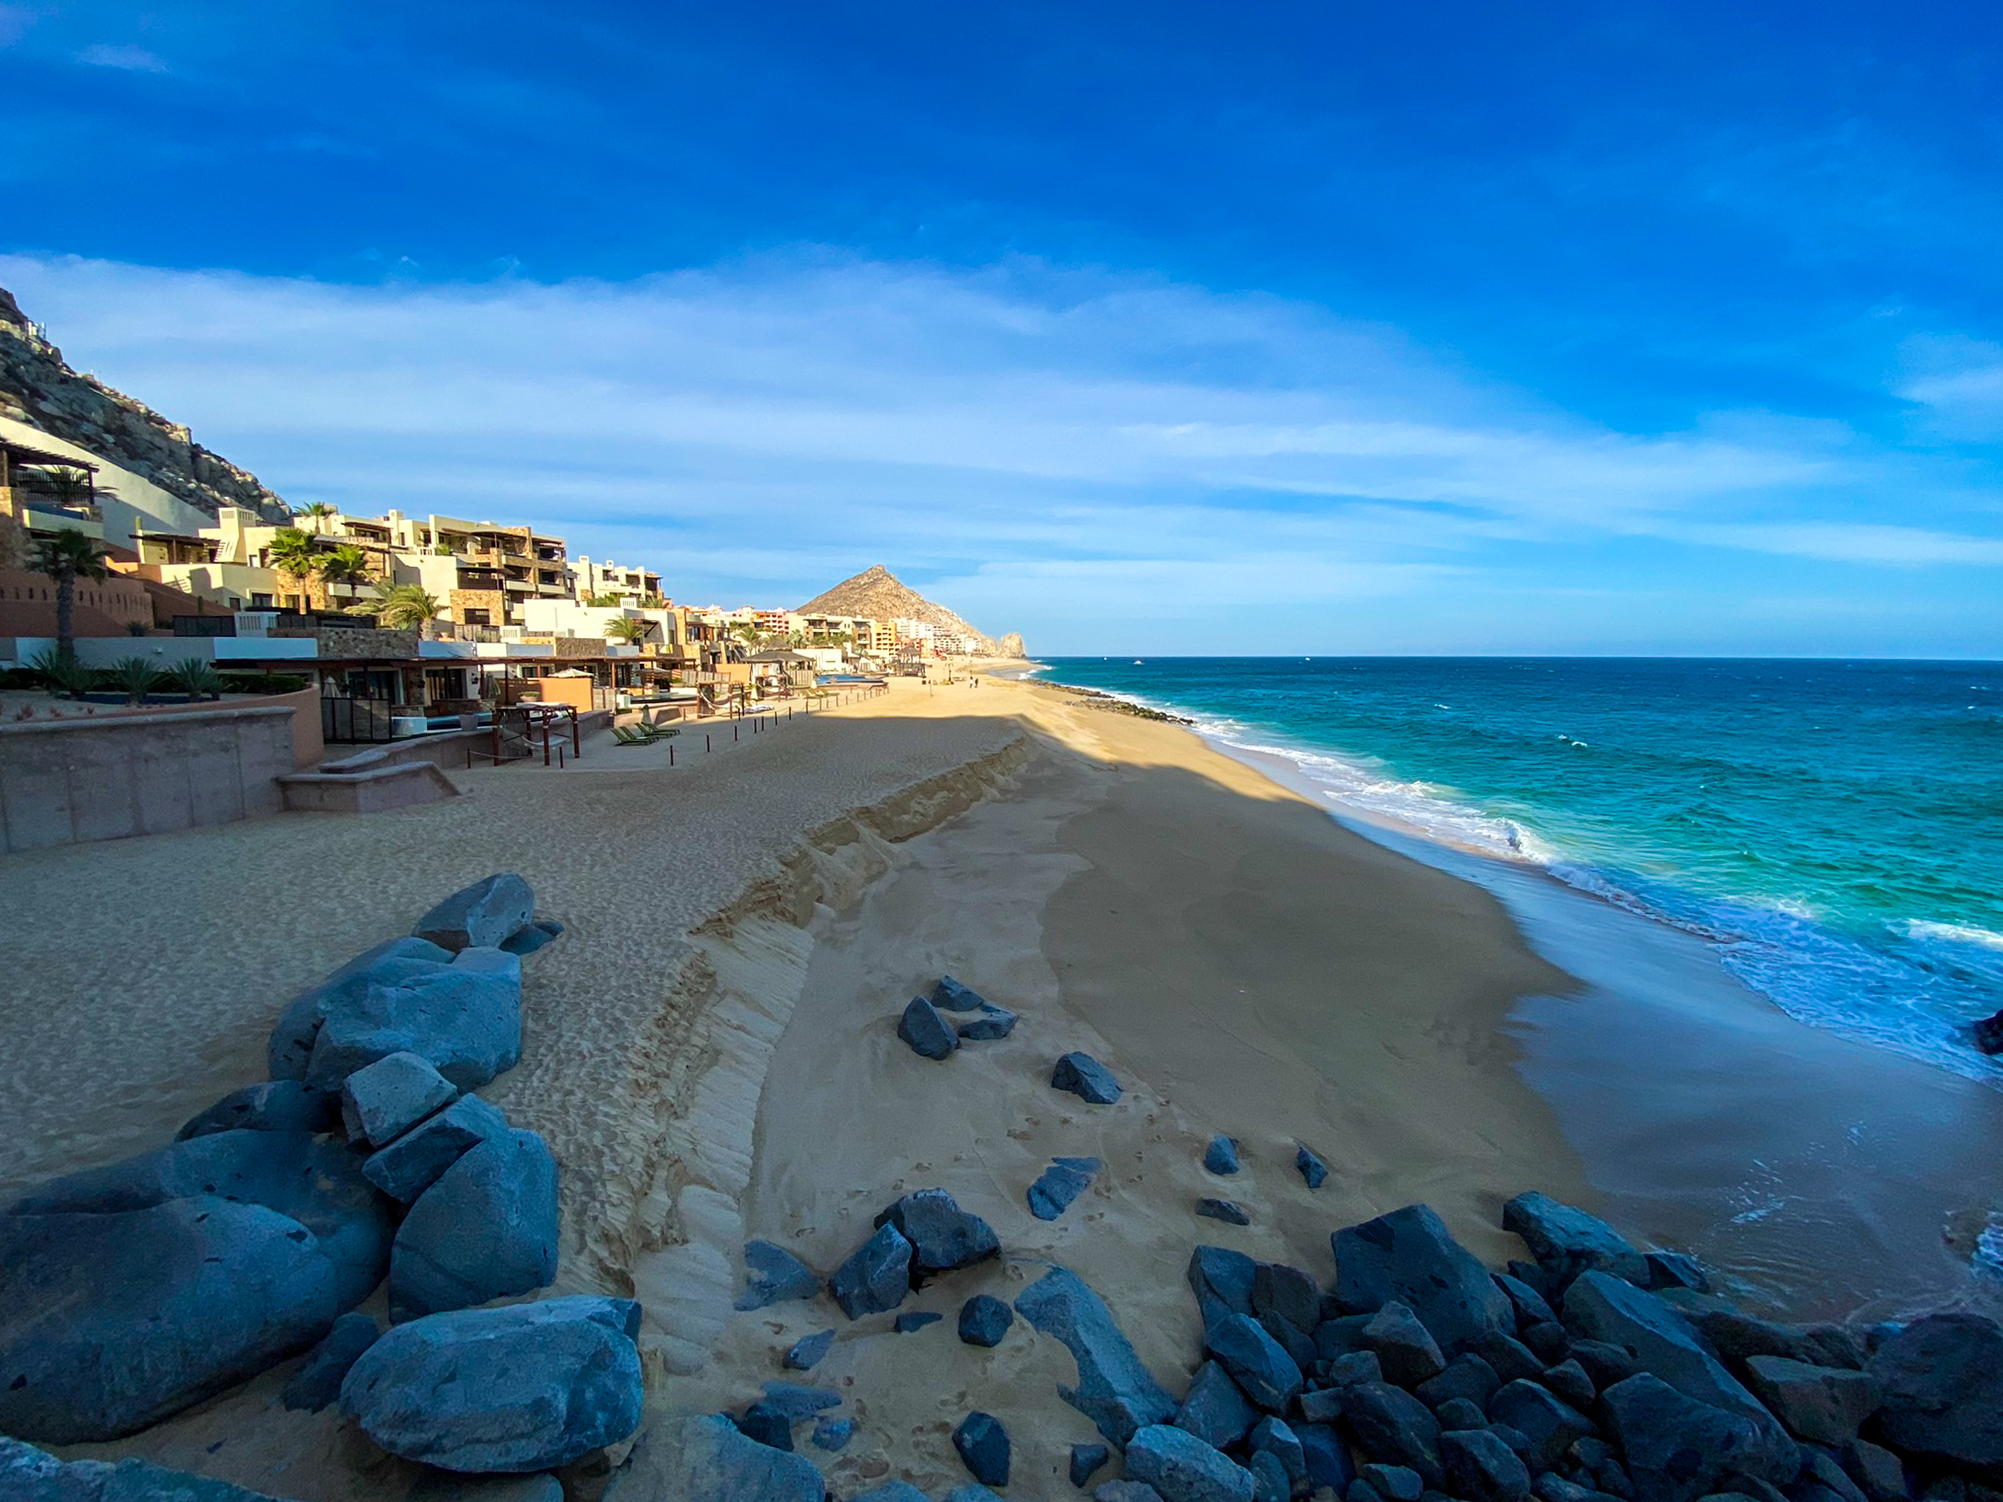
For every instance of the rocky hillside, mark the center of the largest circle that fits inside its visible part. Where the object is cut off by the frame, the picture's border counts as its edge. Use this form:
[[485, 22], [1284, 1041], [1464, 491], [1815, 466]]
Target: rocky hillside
[[881, 595], [37, 387]]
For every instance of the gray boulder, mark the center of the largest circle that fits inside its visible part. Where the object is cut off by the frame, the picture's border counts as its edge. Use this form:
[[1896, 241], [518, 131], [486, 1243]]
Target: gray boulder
[[1084, 1460], [1567, 1241], [317, 1381], [1216, 1409], [1269, 1477], [115, 1319], [984, 1449], [1060, 1184], [1467, 1376], [892, 1491], [1738, 1337], [1228, 1211], [1942, 1378], [950, 996], [1327, 1457], [1085, 1077], [316, 1182], [928, 1035], [1602, 1307], [984, 1320], [1676, 1449], [704, 1459], [1391, 1426], [486, 1229], [526, 1387], [1125, 1490], [1221, 1156], [1481, 1468], [465, 1018], [290, 1049], [799, 1402], [383, 1100], [1398, 1483], [992, 1023], [480, 916], [1114, 1390], [31, 1475], [1274, 1436], [833, 1435], [1550, 1426], [1676, 1270], [1405, 1349], [943, 1237], [1879, 1473], [876, 1276], [274, 1106], [774, 1275], [1568, 1382], [1532, 1308], [1286, 1294], [806, 1352], [413, 1163], [1182, 1468], [1824, 1405], [1410, 1256], [1313, 1171], [1222, 1280], [1257, 1363]]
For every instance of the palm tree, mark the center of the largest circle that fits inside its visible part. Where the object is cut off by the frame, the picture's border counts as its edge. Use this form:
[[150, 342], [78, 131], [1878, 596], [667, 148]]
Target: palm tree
[[346, 564], [399, 607], [65, 556], [631, 629], [316, 513], [292, 553]]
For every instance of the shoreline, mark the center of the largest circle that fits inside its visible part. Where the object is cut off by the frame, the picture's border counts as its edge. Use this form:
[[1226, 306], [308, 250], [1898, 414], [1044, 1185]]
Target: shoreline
[[1640, 1071]]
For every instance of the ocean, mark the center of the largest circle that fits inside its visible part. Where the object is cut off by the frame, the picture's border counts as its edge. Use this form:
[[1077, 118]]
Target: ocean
[[1832, 830]]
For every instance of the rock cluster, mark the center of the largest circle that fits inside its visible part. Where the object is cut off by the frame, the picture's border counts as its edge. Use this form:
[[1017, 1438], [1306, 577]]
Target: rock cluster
[[1595, 1371], [927, 1029], [139, 1288]]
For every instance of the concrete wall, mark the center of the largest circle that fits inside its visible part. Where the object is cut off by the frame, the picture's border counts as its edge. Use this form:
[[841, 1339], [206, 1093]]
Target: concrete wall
[[104, 778]]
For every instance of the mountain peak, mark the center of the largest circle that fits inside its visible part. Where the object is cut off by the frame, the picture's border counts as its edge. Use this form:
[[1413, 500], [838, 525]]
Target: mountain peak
[[879, 594]]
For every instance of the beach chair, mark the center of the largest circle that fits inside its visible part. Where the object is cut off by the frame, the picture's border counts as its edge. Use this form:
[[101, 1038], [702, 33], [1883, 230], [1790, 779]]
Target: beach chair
[[627, 735]]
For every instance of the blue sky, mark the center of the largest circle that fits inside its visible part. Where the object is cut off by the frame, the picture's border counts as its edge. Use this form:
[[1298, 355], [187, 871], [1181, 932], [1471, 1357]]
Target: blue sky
[[1288, 327]]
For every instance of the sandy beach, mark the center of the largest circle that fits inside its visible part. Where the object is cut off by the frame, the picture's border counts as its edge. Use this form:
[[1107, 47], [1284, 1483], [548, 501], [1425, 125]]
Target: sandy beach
[[711, 1051]]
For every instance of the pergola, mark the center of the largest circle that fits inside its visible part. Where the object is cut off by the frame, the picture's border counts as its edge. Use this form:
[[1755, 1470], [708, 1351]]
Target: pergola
[[13, 455]]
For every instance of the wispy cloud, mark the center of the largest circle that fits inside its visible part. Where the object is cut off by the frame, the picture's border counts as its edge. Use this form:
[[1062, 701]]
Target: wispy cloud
[[1065, 436], [122, 55]]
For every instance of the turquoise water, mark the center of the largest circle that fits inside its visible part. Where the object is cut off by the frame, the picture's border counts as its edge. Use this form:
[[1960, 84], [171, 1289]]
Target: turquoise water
[[1835, 829]]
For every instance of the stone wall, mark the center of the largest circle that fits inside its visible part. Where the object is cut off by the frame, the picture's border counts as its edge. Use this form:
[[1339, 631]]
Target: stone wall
[[365, 644], [71, 781]]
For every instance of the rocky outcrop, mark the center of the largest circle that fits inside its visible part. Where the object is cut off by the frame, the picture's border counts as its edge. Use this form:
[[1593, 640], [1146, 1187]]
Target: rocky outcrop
[[881, 595], [37, 387]]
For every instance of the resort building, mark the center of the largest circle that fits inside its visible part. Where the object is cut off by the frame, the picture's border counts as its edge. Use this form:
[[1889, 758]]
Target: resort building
[[609, 580]]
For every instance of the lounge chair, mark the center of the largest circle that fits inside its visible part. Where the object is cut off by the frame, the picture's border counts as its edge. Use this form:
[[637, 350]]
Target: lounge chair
[[627, 735]]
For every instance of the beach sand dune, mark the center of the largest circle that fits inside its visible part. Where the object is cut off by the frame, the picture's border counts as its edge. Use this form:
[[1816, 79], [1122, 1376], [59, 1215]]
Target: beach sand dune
[[711, 1051]]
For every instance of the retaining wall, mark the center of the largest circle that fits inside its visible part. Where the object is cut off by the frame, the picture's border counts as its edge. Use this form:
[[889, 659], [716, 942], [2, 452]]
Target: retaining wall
[[106, 777]]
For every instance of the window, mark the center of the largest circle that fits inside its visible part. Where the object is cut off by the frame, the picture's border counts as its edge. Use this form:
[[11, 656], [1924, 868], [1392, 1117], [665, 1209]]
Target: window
[[476, 618], [258, 602]]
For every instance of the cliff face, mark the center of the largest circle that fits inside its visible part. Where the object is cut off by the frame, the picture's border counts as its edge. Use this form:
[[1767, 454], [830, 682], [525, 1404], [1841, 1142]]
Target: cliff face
[[37, 387], [881, 595]]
